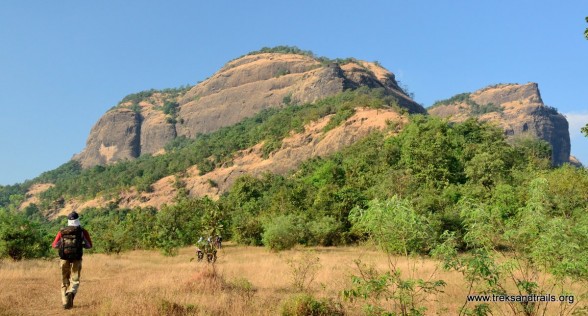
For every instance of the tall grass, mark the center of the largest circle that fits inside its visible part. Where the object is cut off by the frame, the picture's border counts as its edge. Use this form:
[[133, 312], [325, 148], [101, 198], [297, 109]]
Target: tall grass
[[244, 281]]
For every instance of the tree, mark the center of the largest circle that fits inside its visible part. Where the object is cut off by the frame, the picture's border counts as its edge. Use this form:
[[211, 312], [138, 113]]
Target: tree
[[181, 224], [397, 229], [514, 252], [21, 238], [485, 168], [283, 232], [394, 226], [585, 128], [586, 31], [213, 218], [428, 150]]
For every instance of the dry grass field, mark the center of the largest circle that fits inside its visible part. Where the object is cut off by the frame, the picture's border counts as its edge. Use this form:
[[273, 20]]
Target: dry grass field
[[244, 281]]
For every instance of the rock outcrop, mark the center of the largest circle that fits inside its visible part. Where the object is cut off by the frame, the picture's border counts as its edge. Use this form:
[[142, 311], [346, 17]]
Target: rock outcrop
[[518, 109], [115, 137], [242, 88]]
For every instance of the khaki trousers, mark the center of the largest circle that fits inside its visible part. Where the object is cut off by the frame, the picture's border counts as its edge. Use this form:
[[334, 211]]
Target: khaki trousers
[[70, 277]]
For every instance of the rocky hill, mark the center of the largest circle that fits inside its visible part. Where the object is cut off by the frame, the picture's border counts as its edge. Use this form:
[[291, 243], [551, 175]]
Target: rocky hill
[[517, 108], [145, 123], [312, 142]]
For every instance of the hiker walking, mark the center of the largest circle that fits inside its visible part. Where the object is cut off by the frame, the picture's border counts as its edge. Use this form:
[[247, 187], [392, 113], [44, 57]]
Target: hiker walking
[[70, 241], [200, 248], [219, 241]]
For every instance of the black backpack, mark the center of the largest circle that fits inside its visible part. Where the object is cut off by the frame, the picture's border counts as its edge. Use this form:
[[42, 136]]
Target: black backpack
[[71, 243]]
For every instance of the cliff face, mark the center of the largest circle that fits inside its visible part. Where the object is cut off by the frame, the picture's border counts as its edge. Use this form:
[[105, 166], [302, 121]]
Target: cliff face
[[115, 137], [518, 109], [242, 88]]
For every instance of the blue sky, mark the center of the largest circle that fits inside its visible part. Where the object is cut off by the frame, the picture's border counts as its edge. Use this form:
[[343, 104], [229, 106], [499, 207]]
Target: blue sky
[[63, 64]]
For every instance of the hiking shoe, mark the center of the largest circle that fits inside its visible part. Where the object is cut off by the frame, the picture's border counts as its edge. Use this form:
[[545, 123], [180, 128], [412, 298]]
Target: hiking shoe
[[69, 296]]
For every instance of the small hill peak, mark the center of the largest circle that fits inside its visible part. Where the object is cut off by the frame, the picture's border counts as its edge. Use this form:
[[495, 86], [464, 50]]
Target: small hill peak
[[143, 123], [517, 108]]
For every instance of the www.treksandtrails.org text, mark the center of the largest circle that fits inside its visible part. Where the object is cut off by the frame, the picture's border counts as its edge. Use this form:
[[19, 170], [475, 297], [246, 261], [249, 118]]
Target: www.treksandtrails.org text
[[521, 298]]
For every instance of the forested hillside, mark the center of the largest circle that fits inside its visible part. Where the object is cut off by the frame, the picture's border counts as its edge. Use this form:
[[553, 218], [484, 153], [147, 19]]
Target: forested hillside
[[436, 166]]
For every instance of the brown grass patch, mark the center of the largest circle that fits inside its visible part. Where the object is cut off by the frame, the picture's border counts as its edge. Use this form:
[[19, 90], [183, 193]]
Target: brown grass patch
[[244, 281]]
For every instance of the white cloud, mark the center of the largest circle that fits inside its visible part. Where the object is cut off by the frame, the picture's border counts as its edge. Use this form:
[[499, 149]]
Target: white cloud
[[576, 121], [579, 141]]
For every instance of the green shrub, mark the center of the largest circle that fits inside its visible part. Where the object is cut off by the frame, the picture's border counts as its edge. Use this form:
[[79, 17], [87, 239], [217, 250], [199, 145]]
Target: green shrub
[[247, 230], [536, 244], [341, 116], [479, 109], [144, 95], [408, 295], [307, 305], [287, 100], [182, 224], [458, 98], [475, 108], [21, 238], [303, 269], [283, 232], [9, 192], [269, 146], [242, 287], [282, 49], [282, 72], [394, 226], [138, 97], [324, 231], [171, 308]]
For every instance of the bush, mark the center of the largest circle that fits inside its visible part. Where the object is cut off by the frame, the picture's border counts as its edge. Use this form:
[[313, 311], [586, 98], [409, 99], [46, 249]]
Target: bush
[[408, 295], [303, 269], [282, 49], [242, 287], [307, 305], [479, 109], [283, 232], [248, 230], [475, 108], [21, 238], [338, 118], [394, 226], [458, 98], [325, 231], [172, 308], [111, 234]]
